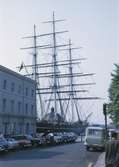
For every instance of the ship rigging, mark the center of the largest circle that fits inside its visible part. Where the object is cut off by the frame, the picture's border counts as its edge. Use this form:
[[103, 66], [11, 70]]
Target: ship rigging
[[57, 92]]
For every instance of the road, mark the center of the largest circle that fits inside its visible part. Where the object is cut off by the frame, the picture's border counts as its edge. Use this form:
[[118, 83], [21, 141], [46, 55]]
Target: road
[[70, 155]]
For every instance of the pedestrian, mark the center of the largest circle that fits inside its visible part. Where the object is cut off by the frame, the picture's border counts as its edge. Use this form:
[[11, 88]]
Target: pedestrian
[[112, 151]]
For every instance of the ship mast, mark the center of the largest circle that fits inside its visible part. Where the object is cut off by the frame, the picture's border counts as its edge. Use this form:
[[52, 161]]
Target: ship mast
[[54, 62], [71, 80], [35, 67], [73, 92]]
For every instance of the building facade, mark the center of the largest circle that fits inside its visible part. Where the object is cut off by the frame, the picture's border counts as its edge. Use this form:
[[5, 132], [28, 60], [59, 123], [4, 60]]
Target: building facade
[[17, 103]]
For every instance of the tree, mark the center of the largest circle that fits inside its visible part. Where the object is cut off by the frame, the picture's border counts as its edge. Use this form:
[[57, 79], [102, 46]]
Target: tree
[[113, 109]]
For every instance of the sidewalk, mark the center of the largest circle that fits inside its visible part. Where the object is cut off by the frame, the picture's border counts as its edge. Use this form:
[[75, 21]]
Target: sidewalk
[[101, 161]]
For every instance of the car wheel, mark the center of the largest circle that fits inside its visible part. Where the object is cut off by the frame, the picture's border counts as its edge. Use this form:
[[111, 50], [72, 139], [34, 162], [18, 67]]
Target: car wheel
[[87, 148]]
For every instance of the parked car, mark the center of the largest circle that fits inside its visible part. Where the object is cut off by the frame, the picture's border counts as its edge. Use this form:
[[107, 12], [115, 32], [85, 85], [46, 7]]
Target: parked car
[[72, 137], [2, 148], [22, 140], [46, 138], [3, 144], [65, 137], [50, 138], [42, 138], [57, 137], [12, 144], [35, 141]]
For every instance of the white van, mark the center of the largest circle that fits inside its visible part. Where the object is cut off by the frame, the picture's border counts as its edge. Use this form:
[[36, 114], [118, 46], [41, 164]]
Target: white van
[[94, 138]]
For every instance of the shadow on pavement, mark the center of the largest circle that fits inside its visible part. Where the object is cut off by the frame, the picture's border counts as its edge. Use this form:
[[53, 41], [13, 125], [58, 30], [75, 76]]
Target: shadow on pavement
[[29, 155]]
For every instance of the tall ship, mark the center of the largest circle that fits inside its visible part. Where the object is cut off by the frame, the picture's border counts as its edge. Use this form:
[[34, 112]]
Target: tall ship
[[56, 70]]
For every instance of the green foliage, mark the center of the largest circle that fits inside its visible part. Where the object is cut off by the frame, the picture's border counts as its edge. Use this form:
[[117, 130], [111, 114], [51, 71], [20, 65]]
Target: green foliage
[[113, 110]]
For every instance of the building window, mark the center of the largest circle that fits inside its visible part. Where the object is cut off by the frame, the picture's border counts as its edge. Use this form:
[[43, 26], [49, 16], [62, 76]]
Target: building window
[[12, 86], [27, 128], [32, 92], [4, 105], [5, 84], [14, 128], [19, 107], [26, 91], [32, 109], [26, 108], [19, 89], [12, 106], [6, 128], [20, 128]]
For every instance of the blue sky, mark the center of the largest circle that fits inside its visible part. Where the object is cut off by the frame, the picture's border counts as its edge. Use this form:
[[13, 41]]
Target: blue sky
[[92, 24]]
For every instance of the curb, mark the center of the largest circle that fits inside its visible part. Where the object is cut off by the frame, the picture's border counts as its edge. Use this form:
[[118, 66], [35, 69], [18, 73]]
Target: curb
[[101, 161]]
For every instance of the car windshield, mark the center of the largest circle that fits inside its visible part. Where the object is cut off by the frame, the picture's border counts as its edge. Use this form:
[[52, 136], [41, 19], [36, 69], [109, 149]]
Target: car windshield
[[95, 132]]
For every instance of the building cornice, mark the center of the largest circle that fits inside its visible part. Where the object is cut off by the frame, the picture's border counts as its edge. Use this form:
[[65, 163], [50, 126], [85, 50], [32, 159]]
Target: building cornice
[[13, 73]]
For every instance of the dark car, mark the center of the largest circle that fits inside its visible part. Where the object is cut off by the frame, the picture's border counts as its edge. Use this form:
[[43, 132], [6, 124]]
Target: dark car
[[35, 141]]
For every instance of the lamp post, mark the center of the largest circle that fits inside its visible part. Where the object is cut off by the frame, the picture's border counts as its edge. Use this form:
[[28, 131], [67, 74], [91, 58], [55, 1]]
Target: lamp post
[[105, 114]]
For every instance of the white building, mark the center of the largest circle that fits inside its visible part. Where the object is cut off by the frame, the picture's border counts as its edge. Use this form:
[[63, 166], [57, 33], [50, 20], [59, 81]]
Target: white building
[[17, 103]]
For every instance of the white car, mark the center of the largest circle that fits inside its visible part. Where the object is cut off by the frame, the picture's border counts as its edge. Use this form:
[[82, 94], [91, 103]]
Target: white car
[[57, 137]]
